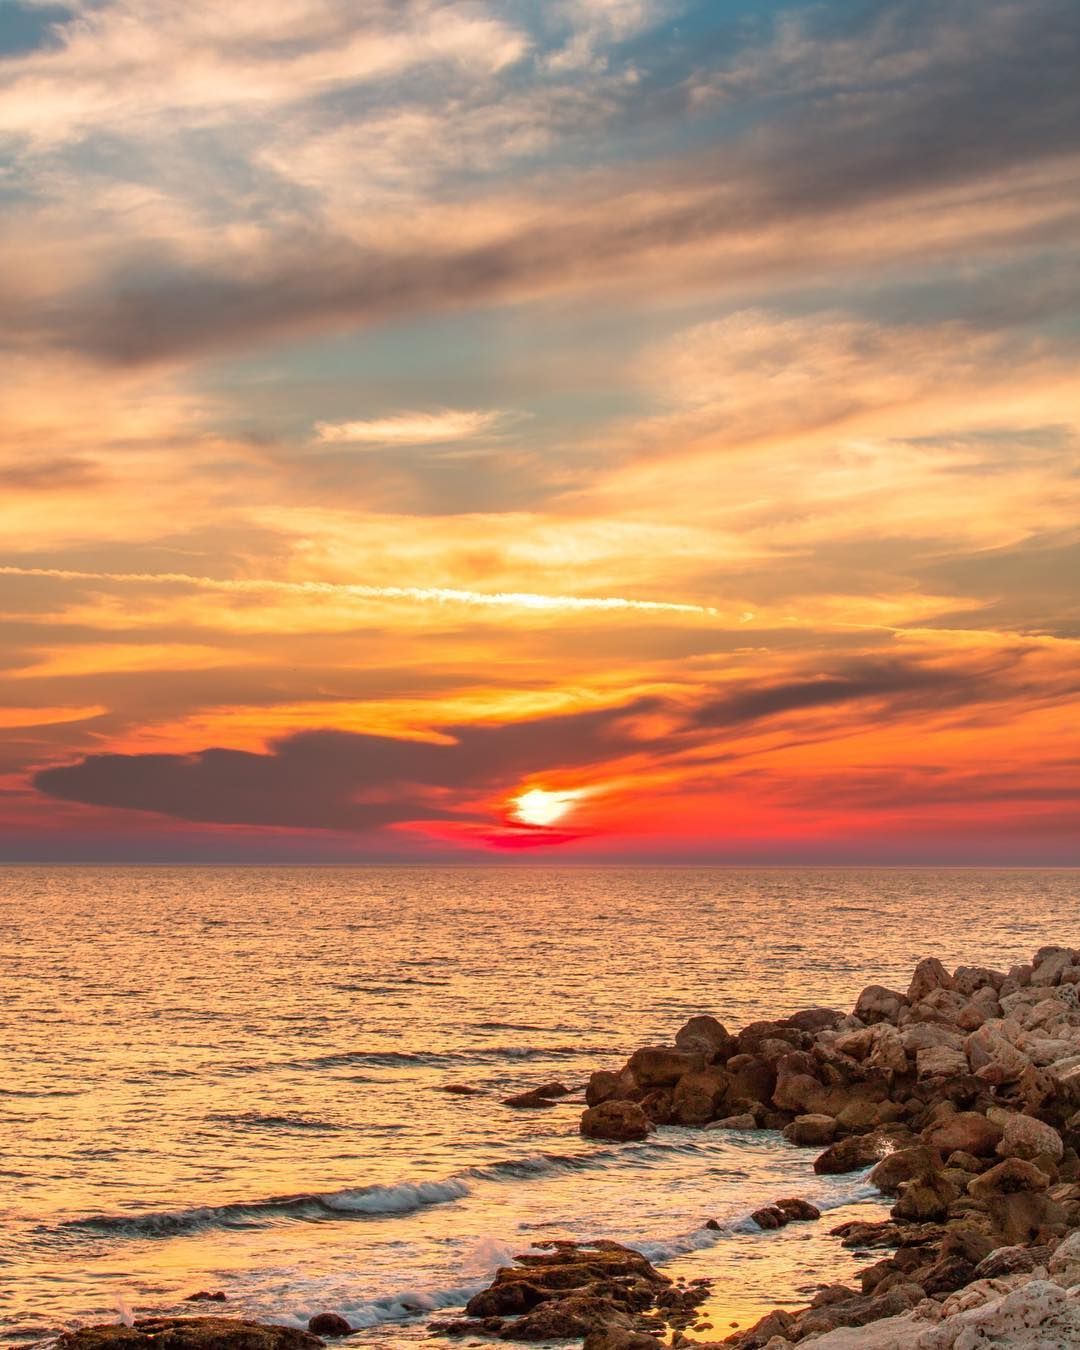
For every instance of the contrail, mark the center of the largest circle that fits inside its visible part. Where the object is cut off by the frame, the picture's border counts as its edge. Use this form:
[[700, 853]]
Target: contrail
[[440, 595]]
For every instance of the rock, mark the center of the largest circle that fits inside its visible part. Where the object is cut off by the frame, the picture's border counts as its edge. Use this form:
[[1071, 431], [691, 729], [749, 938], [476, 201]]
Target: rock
[[814, 1019], [860, 1310], [797, 1090], [752, 1037], [916, 1036], [878, 1004], [745, 1121], [204, 1296], [929, 975], [1037, 1316], [506, 1298], [811, 1131], [940, 1062], [856, 1117], [887, 1051], [617, 1339], [568, 1319], [329, 1324], [621, 1121], [776, 1323], [769, 1216], [798, 1211], [1049, 970], [925, 1199], [1010, 1261], [1025, 1217], [1026, 1137], [902, 1165], [188, 1333], [1064, 1264], [966, 1132], [1014, 1174], [541, 1096], [946, 1275], [968, 980], [601, 1087], [752, 1080], [853, 1153], [705, 1036], [698, 1096], [659, 1066]]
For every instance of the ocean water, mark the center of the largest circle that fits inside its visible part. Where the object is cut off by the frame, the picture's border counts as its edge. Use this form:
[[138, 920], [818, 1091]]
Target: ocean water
[[232, 1078]]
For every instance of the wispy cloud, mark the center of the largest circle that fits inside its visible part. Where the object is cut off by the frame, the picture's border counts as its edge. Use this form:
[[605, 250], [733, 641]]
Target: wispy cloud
[[437, 595], [413, 428]]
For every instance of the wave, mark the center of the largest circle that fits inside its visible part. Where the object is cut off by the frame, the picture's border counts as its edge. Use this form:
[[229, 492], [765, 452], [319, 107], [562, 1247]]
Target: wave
[[255, 1120], [400, 1059], [403, 1198], [371, 1201]]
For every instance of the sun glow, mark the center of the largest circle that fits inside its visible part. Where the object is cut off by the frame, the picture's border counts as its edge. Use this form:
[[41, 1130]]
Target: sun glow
[[540, 807]]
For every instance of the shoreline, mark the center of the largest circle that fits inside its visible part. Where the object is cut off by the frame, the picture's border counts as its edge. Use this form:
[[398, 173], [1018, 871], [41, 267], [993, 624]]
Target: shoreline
[[958, 1098]]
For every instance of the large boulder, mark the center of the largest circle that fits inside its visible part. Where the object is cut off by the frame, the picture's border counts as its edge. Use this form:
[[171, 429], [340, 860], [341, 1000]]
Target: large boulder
[[661, 1066], [878, 1004], [565, 1319], [698, 1096], [1026, 1137], [964, 1132], [929, 975], [853, 1153], [904, 1164], [1014, 1174], [188, 1333], [705, 1036], [811, 1131], [621, 1121], [601, 1087]]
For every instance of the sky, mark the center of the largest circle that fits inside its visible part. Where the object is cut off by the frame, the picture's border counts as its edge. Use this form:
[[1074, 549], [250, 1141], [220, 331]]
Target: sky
[[589, 431]]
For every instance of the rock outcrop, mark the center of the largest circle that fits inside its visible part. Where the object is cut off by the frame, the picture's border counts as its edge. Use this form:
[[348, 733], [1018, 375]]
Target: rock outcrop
[[188, 1333]]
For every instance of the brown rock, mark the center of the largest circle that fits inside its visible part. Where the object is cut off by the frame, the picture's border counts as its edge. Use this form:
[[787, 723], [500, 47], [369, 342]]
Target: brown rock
[[568, 1319], [965, 1131], [752, 1080], [904, 1164], [814, 1020], [329, 1324], [188, 1333], [537, 1097], [1014, 1174], [1011, 1261], [507, 1298], [946, 1275], [621, 1121], [602, 1086], [769, 1216], [797, 1210], [852, 1153], [619, 1339], [929, 975], [705, 1036], [1025, 1217], [925, 1198], [811, 1131], [661, 1066], [878, 1004], [699, 1097]]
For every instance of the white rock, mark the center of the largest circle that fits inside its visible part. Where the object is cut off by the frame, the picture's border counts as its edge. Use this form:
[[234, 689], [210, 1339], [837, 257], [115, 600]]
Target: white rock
[[1038, 1315]]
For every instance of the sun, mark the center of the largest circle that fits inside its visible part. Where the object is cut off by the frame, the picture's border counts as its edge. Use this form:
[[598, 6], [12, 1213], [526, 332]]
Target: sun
[[540, 807]]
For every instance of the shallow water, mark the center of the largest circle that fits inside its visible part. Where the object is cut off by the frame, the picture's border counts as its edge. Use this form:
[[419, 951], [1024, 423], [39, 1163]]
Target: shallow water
[[230, 1078]]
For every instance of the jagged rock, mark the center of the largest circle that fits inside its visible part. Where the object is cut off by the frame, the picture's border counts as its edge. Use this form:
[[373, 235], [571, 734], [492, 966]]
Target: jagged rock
[[705, 1036], [621, 1121], [969, 980], [929, 975], [568, 1319], [329, 1324], [776, 1323], [537, 1097], [188, 1333], [506, 1299], [860, 1310]]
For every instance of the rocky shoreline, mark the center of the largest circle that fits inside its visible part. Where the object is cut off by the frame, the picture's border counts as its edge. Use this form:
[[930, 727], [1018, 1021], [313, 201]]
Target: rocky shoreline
[[961, 1094]]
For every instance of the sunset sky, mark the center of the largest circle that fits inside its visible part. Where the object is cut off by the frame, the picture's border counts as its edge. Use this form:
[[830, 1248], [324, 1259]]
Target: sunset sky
[[409, 406]]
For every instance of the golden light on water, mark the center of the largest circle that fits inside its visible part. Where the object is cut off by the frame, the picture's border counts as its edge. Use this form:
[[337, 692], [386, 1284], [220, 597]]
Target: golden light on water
[[540, 807]]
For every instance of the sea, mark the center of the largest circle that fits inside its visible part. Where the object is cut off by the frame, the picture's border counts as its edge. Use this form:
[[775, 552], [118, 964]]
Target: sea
[[234, 1079]]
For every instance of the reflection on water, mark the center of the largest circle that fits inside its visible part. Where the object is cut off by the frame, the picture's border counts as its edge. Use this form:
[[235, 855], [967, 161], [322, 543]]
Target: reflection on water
[[232, 1078]]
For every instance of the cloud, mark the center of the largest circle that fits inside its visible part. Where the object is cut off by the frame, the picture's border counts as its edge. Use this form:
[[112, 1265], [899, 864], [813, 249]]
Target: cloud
[[62, 474], [440, 595], [412, 428]]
